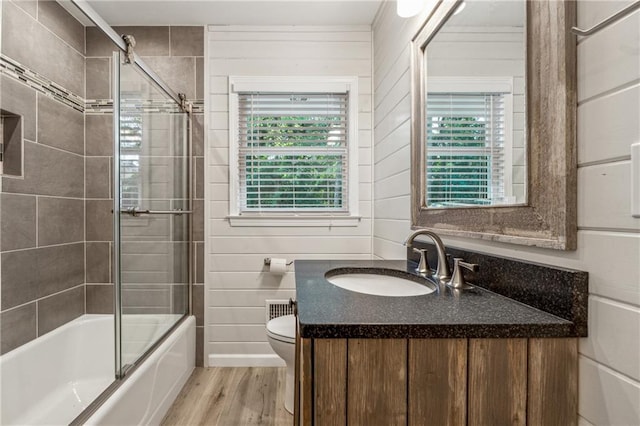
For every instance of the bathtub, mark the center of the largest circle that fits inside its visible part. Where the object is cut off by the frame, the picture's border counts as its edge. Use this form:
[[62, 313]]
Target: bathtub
[[51, 380]]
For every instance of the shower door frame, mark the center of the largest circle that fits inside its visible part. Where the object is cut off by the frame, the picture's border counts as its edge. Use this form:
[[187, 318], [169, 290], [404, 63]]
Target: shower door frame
[[120, 371]]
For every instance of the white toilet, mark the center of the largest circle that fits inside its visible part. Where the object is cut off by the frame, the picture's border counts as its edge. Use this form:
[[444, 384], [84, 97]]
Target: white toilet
[[281, 333]]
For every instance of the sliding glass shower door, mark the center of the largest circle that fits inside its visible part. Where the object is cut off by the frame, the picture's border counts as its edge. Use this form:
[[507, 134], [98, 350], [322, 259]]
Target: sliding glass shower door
[[151, 196]]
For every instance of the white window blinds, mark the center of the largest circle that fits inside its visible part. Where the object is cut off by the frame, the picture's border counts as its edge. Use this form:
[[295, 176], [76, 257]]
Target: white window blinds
[[292, 152], [465, 149]]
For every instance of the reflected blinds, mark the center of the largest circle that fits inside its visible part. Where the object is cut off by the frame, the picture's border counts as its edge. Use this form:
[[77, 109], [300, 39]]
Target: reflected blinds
[[130, 147], [465, 149], [293, 151]]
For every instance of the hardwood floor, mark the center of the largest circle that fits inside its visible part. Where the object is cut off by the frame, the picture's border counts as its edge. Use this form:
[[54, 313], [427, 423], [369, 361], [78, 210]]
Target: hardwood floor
[[230, 397]]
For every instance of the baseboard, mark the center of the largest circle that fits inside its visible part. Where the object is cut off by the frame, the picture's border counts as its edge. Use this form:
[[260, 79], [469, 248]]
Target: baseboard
[[241, 360]]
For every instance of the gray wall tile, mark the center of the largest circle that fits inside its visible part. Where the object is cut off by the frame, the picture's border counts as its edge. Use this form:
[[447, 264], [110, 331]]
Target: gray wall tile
[[199, 346], [19, 99], [97, 44], [35, 273], [19, 278], [18, 326], [155, 228], [99, 134], [98, 78], [198, 304], [179, 299], [199, 78], [177, 72], [29, 6], [150, 41], [46, 55], [99, 299], [187, 41], [198, 134], [199, 177], [163, 177], [99, 220], [199, 263], [59, 268], [12, 144], [59, 125], [147, 296], [18, 218], [98, 175], [59, 309], [60, 22], [198, 220], [48, 171], [98, 263], [60, 220]]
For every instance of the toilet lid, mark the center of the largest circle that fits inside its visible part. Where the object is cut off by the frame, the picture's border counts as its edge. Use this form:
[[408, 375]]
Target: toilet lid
[[284, 326]]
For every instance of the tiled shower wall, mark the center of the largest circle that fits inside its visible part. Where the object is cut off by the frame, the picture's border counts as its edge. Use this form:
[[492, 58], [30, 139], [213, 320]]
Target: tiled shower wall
[[42, 212], [56, 220], [176, 54]]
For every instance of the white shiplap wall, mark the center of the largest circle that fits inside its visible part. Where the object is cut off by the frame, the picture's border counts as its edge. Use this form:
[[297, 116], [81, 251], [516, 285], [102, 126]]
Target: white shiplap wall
[[237, 282], [608, 238]]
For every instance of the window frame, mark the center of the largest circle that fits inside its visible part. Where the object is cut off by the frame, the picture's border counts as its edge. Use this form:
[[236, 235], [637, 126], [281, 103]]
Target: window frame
[[294, 84]]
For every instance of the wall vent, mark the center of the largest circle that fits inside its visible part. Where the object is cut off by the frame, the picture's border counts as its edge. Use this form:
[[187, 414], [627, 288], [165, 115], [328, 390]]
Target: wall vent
[[277, 308]]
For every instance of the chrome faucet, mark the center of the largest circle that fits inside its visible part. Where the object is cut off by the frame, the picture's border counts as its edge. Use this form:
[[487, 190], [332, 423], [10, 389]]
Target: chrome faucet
[[443, 272]]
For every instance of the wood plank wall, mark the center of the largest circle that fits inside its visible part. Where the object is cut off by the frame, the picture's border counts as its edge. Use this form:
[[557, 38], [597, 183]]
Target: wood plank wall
[[237, 282], [608, 237]]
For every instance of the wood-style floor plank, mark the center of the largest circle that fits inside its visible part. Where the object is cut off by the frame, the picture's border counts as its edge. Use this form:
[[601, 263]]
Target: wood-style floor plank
[[231, 396]]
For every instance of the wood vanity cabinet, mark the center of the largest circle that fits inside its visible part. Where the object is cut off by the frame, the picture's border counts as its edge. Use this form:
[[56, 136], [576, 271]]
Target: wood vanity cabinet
[[387, 382]]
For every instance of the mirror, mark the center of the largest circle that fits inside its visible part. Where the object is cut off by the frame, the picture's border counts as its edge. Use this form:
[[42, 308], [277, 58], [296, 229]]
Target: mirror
[[476, 108], [493, 122]]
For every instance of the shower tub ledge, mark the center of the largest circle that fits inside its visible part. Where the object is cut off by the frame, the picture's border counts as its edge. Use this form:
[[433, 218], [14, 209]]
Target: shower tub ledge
[[52, 379]]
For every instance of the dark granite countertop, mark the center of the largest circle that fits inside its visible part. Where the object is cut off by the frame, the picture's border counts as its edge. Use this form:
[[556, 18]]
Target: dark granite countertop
[[328, 311]]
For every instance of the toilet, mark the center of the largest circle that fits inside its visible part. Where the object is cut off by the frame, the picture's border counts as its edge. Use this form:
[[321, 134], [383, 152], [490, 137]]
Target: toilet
[[281, 334]]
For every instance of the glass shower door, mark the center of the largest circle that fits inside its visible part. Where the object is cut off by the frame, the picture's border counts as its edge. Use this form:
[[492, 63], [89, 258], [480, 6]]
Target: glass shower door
[[151, 232]]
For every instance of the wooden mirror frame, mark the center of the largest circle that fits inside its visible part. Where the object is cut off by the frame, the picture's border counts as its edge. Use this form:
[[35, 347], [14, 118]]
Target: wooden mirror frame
[[548, 219]]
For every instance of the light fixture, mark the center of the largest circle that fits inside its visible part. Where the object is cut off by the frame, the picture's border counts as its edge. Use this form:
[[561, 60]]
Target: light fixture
[[409, 8]]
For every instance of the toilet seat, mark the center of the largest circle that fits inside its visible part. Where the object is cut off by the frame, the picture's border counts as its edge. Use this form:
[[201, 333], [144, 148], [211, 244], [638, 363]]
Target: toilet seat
[[283, 329]]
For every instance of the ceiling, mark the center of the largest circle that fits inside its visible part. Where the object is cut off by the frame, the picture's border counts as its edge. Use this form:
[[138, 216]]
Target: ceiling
[[237, 12]]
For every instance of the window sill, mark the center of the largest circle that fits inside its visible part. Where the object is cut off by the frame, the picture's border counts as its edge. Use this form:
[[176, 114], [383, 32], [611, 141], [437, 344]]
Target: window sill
[[294, 220]]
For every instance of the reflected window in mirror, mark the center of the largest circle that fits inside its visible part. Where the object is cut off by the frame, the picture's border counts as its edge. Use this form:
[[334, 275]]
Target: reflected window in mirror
[[469, 142], [474, 109]]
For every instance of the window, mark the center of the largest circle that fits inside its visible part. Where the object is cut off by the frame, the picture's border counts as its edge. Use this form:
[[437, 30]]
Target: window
[[293, 147], [468, 146]]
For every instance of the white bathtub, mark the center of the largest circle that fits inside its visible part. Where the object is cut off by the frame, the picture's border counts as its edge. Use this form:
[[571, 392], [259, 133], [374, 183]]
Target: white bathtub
[[52, 379]]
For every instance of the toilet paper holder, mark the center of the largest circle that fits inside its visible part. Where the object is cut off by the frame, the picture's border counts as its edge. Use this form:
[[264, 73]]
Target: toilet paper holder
[[267, 261]]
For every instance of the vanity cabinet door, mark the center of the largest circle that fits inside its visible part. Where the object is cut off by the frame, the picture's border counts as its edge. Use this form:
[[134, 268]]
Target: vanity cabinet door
[[377, 382], [437, 392], [330, 382], [553, 382], [497, 382]]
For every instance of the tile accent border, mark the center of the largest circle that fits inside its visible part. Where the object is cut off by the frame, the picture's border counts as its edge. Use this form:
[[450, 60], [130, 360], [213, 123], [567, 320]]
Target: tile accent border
[[29, 78], [41, 84]]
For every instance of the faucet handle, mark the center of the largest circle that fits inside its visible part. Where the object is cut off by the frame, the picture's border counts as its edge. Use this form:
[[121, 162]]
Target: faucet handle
[[457, 280], [423, 264]]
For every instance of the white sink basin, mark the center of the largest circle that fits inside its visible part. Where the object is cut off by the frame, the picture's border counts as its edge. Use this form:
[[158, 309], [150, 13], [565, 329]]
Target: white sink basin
[[380, 282]]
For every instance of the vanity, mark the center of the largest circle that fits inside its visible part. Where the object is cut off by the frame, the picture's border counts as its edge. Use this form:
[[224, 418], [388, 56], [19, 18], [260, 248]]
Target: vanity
[[450, 357]]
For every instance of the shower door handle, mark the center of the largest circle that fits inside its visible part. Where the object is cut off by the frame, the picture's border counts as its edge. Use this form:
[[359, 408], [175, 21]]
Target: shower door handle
[[135, 212]]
